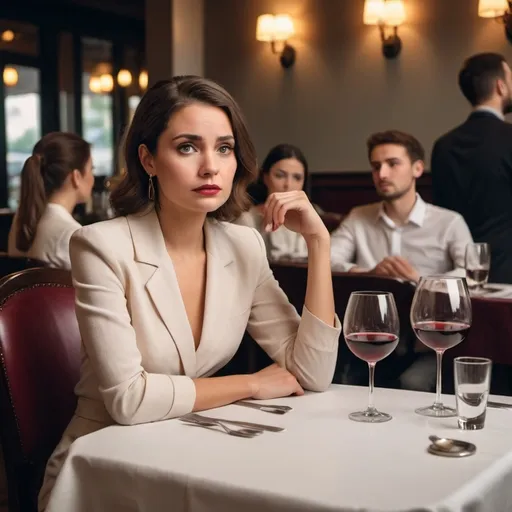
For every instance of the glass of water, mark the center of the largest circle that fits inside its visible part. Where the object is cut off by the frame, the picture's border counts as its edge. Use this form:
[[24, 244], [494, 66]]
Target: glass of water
[[472, 384], [478, 263]]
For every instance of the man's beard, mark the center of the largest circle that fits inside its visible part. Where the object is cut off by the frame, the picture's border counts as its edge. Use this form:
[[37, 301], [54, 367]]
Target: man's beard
[[397, 194]]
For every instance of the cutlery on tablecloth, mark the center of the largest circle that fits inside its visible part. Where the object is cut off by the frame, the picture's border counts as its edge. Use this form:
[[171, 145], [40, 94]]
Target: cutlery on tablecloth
[[240, 432], [246, 424], [499, 405], [273, 409]]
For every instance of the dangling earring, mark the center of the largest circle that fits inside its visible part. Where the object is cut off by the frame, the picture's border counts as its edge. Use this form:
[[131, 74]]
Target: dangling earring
[[151, 189]]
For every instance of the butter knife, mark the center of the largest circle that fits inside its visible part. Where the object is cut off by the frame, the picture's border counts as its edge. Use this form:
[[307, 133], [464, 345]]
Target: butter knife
[[274, 409], [247, 424], [499, 405]]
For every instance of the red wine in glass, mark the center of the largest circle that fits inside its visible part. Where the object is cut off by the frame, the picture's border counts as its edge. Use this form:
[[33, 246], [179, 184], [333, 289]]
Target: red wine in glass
[[371, 346], [441, 335]]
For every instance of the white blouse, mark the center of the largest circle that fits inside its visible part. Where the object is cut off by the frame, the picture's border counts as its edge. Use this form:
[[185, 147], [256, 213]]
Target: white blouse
[[51, 243], [282, 243]]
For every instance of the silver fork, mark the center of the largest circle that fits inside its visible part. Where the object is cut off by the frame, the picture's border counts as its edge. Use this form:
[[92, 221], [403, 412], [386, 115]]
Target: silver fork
[[242, 432]]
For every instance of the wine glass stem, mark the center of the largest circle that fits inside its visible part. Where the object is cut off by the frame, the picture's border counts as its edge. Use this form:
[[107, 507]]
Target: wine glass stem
[[439, 383], [371, 368]]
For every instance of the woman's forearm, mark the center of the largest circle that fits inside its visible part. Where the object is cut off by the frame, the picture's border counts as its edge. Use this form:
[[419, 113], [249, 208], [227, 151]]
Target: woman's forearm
[[319, 293], [218, 391]]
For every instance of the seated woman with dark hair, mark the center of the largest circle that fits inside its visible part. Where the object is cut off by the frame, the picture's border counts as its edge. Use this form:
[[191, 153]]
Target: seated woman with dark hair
[[54, 179], [165, 291], [284, 170]]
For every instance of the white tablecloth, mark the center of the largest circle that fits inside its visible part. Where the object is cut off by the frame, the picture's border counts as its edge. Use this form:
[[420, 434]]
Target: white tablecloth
[[322, 462]]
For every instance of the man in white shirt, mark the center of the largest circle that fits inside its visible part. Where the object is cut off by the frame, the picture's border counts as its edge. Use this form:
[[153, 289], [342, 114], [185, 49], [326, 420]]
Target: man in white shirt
[[402, 236]]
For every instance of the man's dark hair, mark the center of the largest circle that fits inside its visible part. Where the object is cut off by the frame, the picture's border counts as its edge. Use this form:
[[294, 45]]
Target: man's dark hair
[[413, 147], [477, 78]]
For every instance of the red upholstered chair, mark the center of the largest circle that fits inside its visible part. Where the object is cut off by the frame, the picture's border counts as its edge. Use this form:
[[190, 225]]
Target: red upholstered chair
[[40, 364]]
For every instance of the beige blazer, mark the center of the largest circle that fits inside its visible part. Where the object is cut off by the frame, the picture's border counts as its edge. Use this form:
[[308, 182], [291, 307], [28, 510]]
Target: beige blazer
[[282, 243], [51, 243], [139, 357]]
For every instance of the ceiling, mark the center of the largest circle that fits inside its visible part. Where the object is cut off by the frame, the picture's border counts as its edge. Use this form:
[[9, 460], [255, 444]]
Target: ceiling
[[130, 8]]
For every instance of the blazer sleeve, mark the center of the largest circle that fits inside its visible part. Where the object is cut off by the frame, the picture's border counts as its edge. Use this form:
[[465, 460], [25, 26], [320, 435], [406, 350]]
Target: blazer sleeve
[[130, 394], [306, 346]]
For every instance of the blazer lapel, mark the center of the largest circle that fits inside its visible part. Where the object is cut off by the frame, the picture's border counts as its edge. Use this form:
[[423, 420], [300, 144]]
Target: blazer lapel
[[219, 293], [162, 285]]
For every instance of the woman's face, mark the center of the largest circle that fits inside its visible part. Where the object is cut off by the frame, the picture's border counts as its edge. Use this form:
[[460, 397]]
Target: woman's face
[[195, 160], [85, 182], [285, 176]]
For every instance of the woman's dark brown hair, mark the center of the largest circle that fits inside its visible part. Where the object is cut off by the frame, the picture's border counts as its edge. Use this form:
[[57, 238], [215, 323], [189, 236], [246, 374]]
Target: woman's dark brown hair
[[258, 191], [54, 157], [151, 118]]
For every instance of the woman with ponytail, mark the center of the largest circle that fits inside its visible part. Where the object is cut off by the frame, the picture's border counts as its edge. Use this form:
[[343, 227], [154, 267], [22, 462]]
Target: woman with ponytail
[[55, 178]]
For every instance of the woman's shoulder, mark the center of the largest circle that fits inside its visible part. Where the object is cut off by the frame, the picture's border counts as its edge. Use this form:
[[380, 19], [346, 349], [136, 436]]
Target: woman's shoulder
[[113, 234], [240, 238], [251, 218]]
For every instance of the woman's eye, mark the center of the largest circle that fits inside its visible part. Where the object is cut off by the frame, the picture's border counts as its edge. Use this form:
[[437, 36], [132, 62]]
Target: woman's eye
[[225, 150], [186, 149]]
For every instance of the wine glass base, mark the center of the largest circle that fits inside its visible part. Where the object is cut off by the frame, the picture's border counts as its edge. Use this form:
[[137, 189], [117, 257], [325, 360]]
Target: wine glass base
[[370, 416], [437, 411]]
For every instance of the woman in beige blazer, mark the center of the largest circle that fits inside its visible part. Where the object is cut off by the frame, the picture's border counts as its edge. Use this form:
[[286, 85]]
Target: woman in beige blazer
[[165, 291], [54, 179]]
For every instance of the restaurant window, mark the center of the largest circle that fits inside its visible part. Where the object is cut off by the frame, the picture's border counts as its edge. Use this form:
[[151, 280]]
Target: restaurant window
[[67, 68], [20, 38], [22, 121], [97, 112]]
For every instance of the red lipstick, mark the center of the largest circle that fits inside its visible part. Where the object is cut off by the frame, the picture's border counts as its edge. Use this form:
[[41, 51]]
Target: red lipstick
[[208, 190]]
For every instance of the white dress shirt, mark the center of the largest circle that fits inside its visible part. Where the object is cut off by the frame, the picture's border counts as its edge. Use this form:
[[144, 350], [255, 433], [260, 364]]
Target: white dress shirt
[[51, 243], [433, 240]]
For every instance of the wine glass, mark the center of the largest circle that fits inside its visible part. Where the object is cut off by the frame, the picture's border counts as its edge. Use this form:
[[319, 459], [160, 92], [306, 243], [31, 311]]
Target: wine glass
[[478, 263], [371, 328], [441, 318]]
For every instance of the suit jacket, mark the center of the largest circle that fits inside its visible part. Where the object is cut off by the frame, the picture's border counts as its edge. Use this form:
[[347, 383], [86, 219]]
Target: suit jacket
[[139, 355], [51, 243], [472, 175]]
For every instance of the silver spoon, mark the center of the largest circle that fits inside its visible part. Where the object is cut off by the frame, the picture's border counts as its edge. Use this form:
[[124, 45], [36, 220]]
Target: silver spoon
[[452, 447], [242, 432]]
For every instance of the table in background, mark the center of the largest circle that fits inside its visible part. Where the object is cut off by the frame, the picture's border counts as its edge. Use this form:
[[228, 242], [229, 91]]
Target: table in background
[[322, 462]]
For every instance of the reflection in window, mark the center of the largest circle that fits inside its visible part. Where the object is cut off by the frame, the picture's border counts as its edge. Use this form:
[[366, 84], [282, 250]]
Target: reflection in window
[[138, 78], [66, 83], [19, 37], [23, 121], [97, 117]]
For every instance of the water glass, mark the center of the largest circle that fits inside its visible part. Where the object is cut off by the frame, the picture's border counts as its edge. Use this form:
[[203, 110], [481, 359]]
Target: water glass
[[478, 263], [472, 384]]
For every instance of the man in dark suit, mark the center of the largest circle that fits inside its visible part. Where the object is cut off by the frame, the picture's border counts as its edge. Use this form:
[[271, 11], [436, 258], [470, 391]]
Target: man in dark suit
[[472, 164]]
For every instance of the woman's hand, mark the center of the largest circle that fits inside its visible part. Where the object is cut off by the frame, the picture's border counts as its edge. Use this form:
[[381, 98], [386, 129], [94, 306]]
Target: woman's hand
[[274, 382], [295, 212]]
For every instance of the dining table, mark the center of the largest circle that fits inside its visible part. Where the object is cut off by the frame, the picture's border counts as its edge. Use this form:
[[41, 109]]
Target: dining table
[[321, 462]]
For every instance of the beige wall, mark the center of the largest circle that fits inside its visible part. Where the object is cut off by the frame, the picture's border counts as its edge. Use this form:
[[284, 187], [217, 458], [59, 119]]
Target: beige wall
[[342, 88]]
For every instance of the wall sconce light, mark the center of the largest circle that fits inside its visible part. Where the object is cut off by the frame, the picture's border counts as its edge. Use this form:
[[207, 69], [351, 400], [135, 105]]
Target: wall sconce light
[[388, 15], [276, 30], [7, 36], [124, 78], [143, 80], [499, 9], [10, 77]]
